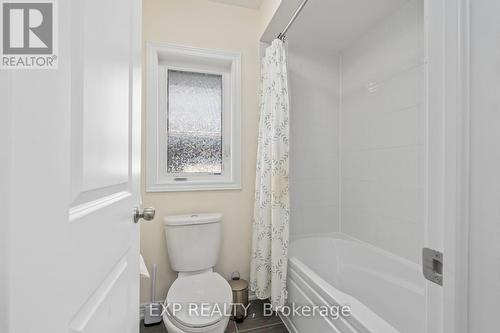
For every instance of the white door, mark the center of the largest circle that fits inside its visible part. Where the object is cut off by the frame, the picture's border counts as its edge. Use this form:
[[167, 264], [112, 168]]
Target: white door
[[74, 163]]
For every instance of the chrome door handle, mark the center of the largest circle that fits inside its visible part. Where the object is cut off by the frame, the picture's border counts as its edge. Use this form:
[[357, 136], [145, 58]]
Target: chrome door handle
[[147, 214]]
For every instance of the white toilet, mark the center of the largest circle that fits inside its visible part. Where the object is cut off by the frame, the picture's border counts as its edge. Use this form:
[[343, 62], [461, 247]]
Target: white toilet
[[200, 299]]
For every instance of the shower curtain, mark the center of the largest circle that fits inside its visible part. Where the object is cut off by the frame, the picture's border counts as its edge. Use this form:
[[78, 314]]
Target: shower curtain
[[272, 202]]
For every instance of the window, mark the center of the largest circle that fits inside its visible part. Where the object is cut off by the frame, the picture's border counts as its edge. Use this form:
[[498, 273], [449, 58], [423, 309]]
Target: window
[[194, 123], [193, 119]]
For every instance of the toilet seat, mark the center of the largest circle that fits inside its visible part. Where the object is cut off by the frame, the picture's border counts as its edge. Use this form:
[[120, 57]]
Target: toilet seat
[[204, 300]]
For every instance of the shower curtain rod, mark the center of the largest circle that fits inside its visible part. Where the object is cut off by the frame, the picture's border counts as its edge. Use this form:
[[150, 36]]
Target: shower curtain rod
[[294, 17]]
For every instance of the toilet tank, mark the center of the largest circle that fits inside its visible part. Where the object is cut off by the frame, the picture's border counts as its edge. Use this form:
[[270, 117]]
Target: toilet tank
[[193, 241]]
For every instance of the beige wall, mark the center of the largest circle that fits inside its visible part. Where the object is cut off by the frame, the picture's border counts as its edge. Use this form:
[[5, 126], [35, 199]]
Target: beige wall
[[267, 10], [206, 24]]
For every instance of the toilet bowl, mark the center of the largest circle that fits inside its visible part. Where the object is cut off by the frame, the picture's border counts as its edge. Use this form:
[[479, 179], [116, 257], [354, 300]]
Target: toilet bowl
[[200, 299], [203, 304]]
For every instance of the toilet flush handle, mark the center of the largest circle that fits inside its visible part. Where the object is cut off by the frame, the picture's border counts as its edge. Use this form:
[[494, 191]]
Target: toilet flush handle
[[147, 214]]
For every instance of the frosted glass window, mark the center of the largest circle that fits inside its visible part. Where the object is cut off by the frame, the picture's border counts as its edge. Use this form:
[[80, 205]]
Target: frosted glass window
[[194, 122]]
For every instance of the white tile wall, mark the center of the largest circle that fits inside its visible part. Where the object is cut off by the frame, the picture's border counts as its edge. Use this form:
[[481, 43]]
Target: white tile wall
[[314, 142], [383, 135], [357, 137]]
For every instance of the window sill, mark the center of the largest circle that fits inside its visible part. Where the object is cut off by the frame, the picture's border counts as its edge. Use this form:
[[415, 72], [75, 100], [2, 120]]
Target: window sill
[[192, 186]]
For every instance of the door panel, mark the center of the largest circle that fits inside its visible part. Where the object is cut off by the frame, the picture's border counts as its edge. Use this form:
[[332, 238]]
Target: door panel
[[105, 45], [104, 158], [107, 308], [74, 163], [101, 53]]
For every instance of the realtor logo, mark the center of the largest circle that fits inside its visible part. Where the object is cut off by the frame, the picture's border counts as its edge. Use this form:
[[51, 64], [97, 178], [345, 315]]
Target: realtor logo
[[29, 35]]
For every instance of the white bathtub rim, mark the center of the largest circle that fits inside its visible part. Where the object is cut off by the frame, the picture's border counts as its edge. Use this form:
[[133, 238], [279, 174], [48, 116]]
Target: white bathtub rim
[[344, 236], [397, 281], [361, 316], [415, 285]]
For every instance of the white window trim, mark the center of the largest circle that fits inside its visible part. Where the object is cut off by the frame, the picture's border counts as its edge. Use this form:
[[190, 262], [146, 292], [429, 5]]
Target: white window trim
[[171, 56]]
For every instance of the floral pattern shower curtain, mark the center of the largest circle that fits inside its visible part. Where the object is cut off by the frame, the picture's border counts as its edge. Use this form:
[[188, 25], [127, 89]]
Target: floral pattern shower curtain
[[272, 201]]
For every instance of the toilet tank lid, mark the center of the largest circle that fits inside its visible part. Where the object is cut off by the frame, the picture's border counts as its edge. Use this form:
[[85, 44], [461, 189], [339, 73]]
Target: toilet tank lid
[[190, 219]]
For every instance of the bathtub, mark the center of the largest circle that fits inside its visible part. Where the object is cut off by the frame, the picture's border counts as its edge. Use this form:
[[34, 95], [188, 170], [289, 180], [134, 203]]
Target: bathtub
[[385, 293]]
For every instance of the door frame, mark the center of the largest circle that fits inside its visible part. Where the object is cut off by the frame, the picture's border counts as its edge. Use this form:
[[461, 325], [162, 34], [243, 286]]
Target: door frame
[[5, 185], [447, 85]]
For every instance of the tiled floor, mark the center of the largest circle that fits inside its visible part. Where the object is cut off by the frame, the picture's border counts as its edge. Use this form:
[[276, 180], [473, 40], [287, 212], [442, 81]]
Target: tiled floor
[[256, 322]]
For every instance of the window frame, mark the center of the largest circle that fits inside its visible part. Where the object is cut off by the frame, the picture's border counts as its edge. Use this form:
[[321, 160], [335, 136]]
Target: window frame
[[162, 57]]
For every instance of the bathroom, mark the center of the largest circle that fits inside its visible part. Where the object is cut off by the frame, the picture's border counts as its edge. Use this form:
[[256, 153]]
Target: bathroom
[[357, 158], [321, 165]]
